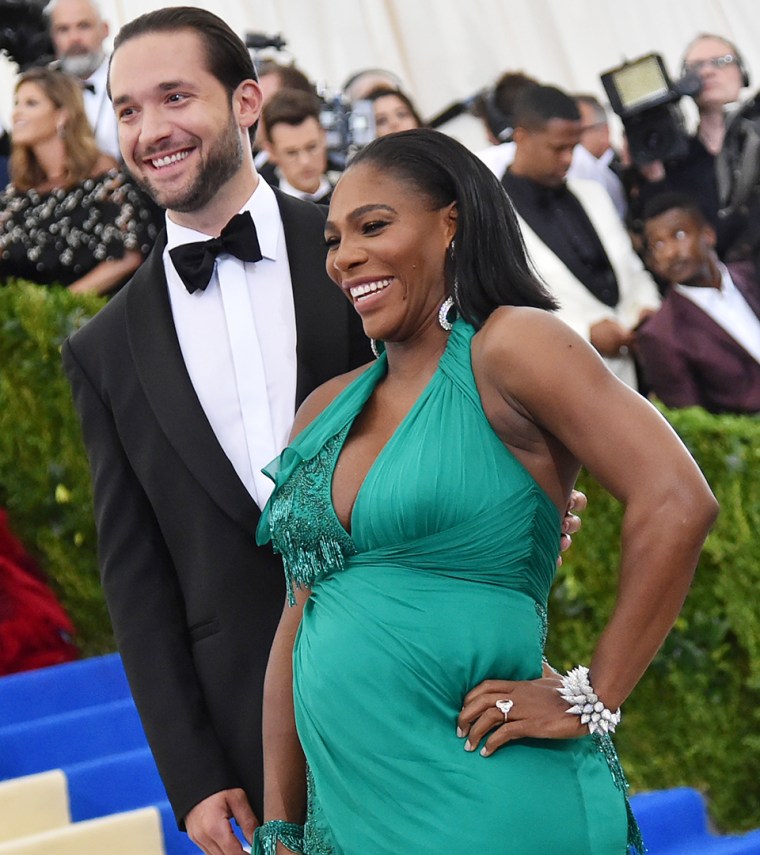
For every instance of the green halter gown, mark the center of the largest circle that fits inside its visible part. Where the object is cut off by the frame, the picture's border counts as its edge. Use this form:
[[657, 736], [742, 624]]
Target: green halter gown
[[441, 583]]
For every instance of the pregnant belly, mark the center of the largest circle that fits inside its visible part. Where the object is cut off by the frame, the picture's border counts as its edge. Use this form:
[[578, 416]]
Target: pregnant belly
[[425, 638]]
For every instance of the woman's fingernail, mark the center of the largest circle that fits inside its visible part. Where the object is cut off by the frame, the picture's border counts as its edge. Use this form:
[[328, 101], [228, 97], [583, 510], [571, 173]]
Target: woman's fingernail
[[460, 732], [467, 746], [484, 752]]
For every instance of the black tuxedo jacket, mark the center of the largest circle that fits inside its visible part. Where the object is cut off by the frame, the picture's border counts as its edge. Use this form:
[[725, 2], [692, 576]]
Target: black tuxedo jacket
[[194, 602]]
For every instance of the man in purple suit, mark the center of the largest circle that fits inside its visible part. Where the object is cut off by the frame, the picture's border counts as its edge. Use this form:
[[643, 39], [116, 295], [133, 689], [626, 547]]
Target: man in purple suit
[[702, 348]]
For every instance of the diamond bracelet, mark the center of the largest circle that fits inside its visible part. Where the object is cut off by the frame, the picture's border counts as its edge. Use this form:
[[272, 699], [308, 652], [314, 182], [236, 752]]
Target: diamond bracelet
[[576, 690]]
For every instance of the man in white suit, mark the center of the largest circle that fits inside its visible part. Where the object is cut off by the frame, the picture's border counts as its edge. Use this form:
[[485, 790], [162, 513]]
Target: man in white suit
[[573, 233], [79, 31]]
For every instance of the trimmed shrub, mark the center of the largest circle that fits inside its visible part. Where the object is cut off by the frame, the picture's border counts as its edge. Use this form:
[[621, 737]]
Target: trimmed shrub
[[693, 720], [44, 478]]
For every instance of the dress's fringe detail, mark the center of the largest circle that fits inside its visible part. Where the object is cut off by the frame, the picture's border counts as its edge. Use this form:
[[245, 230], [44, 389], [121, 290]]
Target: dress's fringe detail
[[606, 748]]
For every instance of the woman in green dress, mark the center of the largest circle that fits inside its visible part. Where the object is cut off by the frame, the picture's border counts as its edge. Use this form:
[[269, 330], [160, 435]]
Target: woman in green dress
[[418, 511]]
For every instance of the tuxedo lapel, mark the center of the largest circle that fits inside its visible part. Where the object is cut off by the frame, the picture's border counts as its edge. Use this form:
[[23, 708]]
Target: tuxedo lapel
[[164, 378], [317, 330]]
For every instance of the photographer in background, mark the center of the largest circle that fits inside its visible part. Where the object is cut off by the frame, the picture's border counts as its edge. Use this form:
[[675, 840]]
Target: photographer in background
[[722, 76]]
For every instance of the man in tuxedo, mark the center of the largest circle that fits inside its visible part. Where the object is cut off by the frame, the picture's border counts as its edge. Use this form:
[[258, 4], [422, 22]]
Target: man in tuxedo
[[186, 385], [572, 232], [703, 346], [78, 31]]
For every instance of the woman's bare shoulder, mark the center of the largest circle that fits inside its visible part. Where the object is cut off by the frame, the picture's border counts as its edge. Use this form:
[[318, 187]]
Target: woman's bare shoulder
[[321, 398], [523, 333]]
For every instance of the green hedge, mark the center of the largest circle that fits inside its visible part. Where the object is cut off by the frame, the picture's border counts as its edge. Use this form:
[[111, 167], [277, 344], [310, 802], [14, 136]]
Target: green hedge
[[44, 479], [693, 720]]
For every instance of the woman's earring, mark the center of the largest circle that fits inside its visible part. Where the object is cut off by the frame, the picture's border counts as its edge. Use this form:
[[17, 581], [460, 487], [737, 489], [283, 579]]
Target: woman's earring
[[443, 314], [377, 347]]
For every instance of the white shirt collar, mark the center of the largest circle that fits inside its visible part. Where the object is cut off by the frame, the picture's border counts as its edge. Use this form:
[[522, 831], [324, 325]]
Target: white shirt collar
[[265, 211], [321, 191], [726, 284], [99, 77]]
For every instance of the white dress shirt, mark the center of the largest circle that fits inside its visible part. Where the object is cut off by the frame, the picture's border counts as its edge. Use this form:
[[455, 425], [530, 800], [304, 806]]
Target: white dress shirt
[[239, 346], [100, 112], [728, 308]]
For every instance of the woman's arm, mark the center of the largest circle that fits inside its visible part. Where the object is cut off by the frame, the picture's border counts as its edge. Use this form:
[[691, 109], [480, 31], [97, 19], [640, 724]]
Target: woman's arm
[[107, 274], [284, 763], [532, 367]]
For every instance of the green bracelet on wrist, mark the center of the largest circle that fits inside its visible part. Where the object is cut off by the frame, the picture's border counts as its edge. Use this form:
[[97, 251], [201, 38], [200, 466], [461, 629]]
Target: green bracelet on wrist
[[267, 836]]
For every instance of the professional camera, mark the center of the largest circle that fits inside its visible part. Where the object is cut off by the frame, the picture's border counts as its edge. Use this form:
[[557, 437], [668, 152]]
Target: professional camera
[[645, 98], [349, 127], [24, 34]]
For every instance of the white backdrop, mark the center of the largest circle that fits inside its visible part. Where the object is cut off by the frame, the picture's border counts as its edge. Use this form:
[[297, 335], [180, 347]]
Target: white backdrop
[[445, 51]]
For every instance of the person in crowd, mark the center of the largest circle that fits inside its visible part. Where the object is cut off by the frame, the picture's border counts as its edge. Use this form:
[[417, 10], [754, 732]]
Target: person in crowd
[[596, 151], [406, 704], [572, 232], [297, 145], [722, 75], [393, 111], [358, 86], [496, 108], [78, 31], [186, 385], [69, 216], [273, 76], [702, 348]]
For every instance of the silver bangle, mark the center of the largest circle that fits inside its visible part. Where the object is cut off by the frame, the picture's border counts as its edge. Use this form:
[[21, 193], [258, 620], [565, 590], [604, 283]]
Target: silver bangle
[[576, 690]]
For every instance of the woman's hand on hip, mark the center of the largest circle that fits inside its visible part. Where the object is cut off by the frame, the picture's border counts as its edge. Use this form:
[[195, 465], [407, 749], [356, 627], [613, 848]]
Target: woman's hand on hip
[[527, 708]]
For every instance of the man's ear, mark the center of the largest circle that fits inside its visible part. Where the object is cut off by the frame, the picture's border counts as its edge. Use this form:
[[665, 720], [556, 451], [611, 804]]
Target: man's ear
[[519, 135], [709, 235], [247, 102]]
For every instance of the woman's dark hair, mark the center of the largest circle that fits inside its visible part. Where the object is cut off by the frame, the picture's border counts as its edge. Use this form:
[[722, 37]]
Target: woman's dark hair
[[489, 263], [385, 91], [227, 57]]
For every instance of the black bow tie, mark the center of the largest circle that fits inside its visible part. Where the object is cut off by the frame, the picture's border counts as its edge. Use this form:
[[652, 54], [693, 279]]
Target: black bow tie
[[88, 87], [195, 261]]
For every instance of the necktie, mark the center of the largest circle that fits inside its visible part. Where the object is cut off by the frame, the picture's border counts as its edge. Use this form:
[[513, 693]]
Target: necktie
[[194, 262], [88, 87]]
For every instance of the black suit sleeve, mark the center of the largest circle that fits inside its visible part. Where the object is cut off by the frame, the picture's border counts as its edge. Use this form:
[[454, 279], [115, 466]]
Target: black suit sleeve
[[147, 610]]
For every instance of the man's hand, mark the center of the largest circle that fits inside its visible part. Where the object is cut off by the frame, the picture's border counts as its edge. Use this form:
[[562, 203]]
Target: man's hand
[[208, 823], [610, 338], [571, 524]]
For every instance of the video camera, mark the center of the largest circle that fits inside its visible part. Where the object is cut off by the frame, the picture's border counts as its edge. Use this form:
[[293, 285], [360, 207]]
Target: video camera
[[645, 98], [24, 33], [349, 126]]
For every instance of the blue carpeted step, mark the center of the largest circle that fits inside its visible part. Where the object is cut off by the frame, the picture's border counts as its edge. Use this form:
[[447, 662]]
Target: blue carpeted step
[[61, 688], [56, 741], [675, 822]]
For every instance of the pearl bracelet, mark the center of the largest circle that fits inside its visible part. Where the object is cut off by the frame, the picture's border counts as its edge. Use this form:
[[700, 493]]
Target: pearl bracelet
[[576, 690]]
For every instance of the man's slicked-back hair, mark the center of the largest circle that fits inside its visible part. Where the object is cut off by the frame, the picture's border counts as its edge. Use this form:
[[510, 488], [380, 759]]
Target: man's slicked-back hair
[[228, 58], [489, 266], [537, 105]]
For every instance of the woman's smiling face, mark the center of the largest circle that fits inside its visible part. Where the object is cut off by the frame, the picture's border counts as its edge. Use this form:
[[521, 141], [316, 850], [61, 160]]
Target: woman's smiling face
[[387, 251]]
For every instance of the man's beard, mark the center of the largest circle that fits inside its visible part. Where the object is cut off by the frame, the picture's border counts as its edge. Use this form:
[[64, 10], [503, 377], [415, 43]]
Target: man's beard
[[223, 160], [81, 65]]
